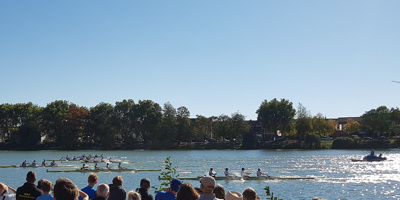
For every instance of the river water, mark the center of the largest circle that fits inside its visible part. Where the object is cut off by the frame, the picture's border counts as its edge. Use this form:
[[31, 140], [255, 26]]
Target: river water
[[336, 177]]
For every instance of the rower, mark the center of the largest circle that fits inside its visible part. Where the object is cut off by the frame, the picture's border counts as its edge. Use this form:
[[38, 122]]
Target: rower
[[44, 163], [67, 158], [34, 163], [96, 167], [243, 173], [23, 164], [108, 166], [227, 173], [53, 163], [259, 173], [120, 167], [212, 173], [84, 167]]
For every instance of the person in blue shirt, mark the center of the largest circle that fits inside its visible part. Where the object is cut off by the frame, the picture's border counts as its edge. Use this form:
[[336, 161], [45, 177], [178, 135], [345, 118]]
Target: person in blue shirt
[[46, 187], [90, 190], [172, 191]]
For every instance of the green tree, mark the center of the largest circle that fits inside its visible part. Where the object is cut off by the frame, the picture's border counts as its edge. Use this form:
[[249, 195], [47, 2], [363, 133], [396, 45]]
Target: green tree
[[303, 121], [124, 123], [276, 115], [239, 126], [203, 127], [54, 120], [99, 129], [222, 128], [377, 121], [319, 125], [184, 126], [147, 115], [167, 128]]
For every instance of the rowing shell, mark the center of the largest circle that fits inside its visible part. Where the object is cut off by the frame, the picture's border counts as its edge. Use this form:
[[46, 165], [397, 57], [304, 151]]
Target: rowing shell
[[247, 178], [33, 166], [104, 170]]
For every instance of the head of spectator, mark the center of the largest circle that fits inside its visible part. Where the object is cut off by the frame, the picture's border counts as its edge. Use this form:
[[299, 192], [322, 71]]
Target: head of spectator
[[65, 189], [233, 195], [249, 194], [46, 186], [103, 191], [175, 185], [145, 184], [92, 179], [31, 177], [39, 183], [118, 181], [219, 191], [3, 189], [207, 184], [187, 192], [132, 195]]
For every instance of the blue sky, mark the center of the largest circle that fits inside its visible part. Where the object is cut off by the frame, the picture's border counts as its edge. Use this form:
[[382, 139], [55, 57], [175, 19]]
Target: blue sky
[[336, 58]]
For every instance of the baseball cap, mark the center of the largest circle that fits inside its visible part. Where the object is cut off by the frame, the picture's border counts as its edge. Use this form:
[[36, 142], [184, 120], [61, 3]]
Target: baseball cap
[[208, 182], [176, 184]]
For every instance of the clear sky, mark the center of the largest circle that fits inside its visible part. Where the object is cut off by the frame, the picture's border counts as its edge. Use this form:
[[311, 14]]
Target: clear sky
[[337, 57]]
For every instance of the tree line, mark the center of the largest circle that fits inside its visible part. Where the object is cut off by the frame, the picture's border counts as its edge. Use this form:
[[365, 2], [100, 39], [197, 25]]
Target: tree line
[[67, 125]]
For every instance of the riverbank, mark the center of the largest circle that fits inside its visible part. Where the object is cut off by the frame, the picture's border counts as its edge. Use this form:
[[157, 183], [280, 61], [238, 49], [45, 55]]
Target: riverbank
[[338, 143]]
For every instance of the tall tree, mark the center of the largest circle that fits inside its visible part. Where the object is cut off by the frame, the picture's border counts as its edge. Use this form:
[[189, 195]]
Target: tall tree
[[99, 129], [351, 126], [203, 127], [124, 112], [167, 129], [147, 115], [303, 121], [54, 119], [276, 115], [184, 126], [239, 126]]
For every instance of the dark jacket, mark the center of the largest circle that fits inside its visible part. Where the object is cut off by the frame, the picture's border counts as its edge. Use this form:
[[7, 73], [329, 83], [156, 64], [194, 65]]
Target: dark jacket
[[144, 194], [28, 191], [117, 192], [99, 198]]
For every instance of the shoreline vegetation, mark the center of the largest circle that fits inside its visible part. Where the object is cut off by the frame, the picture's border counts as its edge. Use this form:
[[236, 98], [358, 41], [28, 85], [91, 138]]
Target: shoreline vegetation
[[62, 125]]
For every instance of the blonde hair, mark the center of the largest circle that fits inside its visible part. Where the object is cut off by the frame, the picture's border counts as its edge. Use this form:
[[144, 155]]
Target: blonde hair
[[132, 195], [3, 189]]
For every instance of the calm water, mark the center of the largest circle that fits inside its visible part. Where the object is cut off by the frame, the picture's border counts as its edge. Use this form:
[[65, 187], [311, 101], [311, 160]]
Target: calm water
[[336, 176]]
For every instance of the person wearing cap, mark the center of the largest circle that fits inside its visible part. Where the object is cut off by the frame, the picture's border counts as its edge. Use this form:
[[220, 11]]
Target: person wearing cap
[[172, 191], [144, 189], [4, 190], [29, 191], [207, 185]]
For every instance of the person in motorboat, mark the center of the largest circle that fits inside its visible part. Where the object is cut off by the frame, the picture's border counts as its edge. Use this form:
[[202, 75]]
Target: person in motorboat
[[261, 174], [212, 173], [372, 152]]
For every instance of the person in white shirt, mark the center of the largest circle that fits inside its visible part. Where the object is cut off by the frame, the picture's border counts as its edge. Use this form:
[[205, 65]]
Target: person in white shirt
[[4, 190], [212, 173]]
